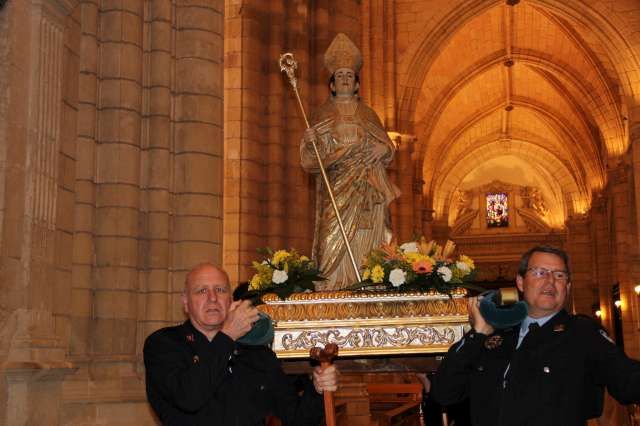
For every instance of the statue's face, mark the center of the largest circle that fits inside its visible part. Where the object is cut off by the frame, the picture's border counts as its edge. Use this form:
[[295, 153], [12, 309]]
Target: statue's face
[[345, 82]]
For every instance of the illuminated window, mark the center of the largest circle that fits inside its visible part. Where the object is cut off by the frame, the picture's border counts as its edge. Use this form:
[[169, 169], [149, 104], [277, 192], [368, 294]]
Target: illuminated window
[[497, 210]]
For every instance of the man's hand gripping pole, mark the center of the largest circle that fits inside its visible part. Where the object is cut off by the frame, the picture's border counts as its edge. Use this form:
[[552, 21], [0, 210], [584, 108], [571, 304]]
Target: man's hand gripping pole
[[325, 357]]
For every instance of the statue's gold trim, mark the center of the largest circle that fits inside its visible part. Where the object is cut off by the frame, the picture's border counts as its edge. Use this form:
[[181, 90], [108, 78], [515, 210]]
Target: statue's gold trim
[[272, 298], [347, 305]]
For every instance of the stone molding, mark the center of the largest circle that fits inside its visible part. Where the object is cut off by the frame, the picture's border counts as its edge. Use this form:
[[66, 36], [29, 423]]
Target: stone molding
[[533, 221], [464, 222], [25, 371], [493, 239], [58, 8]]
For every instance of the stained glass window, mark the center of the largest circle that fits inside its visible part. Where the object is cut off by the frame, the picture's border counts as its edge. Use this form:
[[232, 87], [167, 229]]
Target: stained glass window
[[497, 210]]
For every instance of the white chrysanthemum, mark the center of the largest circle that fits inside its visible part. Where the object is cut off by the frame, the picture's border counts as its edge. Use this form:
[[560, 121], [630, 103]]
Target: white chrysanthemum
[[397, 277], [279, 276], [445, 272], [463, 267], [411, 247]]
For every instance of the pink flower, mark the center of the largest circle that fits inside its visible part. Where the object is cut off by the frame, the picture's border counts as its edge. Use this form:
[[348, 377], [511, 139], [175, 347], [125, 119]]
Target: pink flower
[[422, 266]]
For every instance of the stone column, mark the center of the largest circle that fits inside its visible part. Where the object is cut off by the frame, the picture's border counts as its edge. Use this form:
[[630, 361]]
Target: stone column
[[85, 195], [405, 179], [157, 158], [635, 258], [324, 30], [375, 53], [393, 171], [440, 230], [602, 255], [198, 165], [300, 185], [427, 221], [116, 284], [418, 206], [621, 190], [33, 149], [276, 207], [244, 176], [584, 288]]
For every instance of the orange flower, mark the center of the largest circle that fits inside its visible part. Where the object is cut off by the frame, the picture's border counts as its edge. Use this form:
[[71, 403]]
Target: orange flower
[[390, 251], [422, 266]]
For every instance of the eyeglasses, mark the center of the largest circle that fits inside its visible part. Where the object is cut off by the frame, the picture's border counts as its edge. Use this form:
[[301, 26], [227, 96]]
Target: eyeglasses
[[539, 273]]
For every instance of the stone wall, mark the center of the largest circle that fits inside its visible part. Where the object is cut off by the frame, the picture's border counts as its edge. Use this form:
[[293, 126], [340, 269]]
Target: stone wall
[[111, 189]]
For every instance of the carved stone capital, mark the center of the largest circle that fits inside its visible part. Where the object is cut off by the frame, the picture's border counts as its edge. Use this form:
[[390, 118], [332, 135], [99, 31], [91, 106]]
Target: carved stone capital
[[26, 371], [61, 8], [619, 173]]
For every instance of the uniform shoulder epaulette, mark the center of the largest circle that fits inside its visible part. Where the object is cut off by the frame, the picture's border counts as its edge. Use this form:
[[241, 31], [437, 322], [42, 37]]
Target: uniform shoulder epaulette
[[584, 317], [173, 332], [591, 324], [585, 320]]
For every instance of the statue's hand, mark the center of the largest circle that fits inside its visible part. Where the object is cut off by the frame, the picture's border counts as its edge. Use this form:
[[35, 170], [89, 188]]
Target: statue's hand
[[310, 137]]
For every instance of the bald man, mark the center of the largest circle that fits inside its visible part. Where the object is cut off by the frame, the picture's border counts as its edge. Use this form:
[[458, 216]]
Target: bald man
[[197, 373]]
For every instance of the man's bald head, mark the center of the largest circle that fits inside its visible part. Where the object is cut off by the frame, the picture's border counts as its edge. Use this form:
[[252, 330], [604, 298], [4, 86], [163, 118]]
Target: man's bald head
[[207, 298], [208, 268]]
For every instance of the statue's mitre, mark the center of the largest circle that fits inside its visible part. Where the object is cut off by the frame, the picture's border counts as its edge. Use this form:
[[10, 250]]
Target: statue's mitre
[[342, 53]]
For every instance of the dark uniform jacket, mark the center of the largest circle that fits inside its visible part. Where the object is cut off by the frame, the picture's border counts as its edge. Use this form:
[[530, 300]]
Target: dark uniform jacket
[[555, 378], [191, 381]]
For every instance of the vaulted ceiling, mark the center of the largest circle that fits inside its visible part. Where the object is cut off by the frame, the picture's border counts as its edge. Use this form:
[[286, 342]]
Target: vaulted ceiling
[[525, 86]]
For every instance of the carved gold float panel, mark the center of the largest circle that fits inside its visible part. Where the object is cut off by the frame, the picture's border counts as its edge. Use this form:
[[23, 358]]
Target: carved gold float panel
[[372, 323]]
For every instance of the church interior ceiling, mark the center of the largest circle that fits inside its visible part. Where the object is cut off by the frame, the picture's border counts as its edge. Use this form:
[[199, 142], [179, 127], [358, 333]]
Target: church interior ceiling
[[526, 93]]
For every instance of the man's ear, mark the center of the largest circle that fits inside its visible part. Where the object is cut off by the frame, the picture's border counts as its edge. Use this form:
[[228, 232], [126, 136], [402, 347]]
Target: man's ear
[[356, 87], [520, 283], [185, 302], [332, 86]]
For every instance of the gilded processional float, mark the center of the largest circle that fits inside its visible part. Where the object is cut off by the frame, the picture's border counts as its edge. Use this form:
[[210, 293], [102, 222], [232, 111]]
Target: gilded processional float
[[406, 298]]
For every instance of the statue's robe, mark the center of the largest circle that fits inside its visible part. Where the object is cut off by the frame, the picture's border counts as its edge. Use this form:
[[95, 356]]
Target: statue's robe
[[360, 184]]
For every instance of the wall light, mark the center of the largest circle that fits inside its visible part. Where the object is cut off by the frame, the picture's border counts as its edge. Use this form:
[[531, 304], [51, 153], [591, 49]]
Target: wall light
[[637, 289], [599, 313], [618, 303]]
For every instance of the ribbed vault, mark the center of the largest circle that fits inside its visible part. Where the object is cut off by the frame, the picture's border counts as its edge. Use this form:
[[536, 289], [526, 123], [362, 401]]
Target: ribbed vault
[[533, 83]]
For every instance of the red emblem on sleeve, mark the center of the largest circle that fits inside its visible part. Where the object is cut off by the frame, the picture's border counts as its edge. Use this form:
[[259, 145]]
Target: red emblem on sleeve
[[493, 342]]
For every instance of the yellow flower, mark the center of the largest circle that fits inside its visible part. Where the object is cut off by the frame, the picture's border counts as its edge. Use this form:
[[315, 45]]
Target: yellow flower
[[377, 274], [417, 257], [255, 282], [304, 259], [468, 261], [366, 274], [279, 256]]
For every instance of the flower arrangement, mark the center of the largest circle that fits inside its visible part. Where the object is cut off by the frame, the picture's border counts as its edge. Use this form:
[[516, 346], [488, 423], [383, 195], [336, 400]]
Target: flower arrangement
[[283, 272], [418, 265]]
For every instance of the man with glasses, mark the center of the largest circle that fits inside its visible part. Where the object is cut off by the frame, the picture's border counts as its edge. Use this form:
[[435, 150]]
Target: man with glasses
[[549, 370]]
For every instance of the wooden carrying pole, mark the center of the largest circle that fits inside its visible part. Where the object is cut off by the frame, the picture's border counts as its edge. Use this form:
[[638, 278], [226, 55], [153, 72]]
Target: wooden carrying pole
[[325, 357], [288, 65]]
